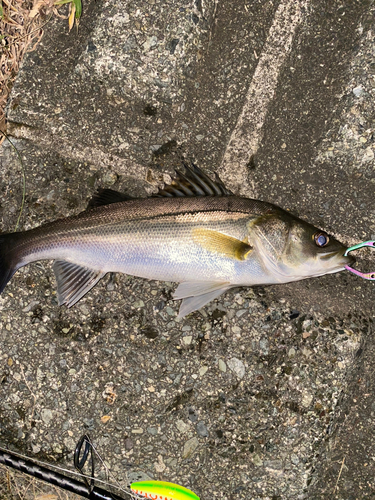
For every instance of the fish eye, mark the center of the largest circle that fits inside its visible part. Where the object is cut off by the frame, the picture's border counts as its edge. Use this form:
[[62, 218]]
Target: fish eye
[[321, 239]]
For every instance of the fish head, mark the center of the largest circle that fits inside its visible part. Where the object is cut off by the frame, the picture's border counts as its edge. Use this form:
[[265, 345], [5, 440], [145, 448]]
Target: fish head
[[293, 249]]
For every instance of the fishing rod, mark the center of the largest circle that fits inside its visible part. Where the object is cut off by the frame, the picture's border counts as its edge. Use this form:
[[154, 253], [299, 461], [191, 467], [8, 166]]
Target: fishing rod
[[86, 489], [138, 490]]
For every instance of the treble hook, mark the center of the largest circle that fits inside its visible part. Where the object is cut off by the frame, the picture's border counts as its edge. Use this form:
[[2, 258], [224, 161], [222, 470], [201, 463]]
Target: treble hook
[[366, 276]]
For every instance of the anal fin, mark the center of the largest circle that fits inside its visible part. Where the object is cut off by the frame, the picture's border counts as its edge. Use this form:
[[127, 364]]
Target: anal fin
[[196, 294], [74, 281]]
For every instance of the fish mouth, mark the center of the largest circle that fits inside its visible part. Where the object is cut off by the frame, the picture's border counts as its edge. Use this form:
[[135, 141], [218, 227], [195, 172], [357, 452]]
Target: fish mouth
[[342, 260]]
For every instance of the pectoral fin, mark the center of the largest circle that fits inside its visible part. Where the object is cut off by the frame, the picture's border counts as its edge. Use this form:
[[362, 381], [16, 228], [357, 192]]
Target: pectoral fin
[[73, 281], [196, 294], [221, 243]]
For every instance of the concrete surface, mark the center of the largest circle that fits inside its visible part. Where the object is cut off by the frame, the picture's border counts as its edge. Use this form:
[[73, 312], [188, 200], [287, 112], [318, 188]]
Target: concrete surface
[[265, 393]]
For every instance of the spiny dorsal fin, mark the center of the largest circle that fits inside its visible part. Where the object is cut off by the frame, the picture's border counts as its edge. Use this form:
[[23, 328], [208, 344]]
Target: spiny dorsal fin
[[73, 281], [221, 243], [194, 182], [107, 197]]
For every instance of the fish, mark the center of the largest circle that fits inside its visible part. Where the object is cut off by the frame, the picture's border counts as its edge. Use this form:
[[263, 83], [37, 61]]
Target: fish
[[194, 231]]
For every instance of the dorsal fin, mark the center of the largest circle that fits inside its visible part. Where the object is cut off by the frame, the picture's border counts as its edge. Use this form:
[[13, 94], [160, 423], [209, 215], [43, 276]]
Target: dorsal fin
[[107, 197], [194, 182]]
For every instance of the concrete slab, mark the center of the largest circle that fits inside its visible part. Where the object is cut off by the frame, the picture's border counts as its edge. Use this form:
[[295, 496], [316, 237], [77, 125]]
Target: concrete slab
[[244, 399]]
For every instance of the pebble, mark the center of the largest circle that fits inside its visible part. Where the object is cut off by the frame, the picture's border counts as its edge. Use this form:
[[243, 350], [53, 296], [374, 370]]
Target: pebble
[[203, 370], [358, 91], [237, 367], [222, 366], [189, 447], [182, 426], [291, 352], [46, 416], [152, 430], [368, 155], [257, 461], [264, 346], [109, 178], [128, 444], [202, 429], [273, 464], [306, 399]]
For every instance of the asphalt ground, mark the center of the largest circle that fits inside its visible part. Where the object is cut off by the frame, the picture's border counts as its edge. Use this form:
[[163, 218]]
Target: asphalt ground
[[266, 392]]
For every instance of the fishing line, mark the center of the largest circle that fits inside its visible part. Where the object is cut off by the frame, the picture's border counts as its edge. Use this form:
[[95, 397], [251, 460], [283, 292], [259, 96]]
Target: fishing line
[[23, 178], [366, 276]]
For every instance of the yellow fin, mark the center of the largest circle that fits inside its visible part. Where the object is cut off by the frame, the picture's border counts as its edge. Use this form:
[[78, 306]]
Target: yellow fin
[[221, 243]]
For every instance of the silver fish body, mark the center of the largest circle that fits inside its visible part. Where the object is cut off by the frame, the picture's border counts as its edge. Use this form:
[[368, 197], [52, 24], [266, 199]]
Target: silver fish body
[[208, 243]]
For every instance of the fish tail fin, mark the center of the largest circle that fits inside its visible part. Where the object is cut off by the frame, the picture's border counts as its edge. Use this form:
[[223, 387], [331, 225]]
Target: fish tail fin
[[8, 263]]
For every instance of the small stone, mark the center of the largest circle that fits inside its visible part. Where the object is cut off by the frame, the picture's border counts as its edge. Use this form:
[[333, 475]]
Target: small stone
[[190, 447], [203, 370], [105, 418], [182, 426], [138, 304], [264, 346], [294, 459], [109, 178], [128, 444], [152, 430], [170, 311], [291, 352], [137, 431], [237, 367], [151, 42], [358, 91], [273, 464], [187, 340], [368, 155], [257, 461], [306, 399], [46, 416], [202, 429], [222, 366], [36, 448], [160, 465]]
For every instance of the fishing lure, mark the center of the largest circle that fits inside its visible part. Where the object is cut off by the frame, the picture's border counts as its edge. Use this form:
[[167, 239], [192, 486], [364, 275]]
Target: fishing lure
[[161, 490], [366, 276]]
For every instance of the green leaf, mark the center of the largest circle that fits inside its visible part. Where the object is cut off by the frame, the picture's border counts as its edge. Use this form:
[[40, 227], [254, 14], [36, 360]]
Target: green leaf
[[78, 5]]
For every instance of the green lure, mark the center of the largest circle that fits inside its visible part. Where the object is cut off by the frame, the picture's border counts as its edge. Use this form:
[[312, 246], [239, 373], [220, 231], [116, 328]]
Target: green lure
[[161, 490]]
